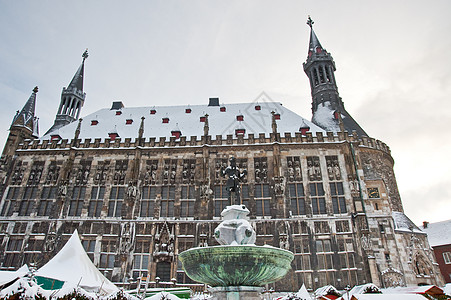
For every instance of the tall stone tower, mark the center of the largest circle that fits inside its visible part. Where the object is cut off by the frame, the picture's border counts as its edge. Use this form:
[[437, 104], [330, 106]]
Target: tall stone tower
[[327, 106], [72, 99], [24, 126]]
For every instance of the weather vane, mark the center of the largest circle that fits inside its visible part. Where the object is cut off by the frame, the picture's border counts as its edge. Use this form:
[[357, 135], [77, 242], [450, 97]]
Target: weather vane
[[85, 55], [310, 22]]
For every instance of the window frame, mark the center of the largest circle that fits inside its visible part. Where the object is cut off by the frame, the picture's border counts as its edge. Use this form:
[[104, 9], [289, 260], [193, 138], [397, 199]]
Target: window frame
[[447, 257]]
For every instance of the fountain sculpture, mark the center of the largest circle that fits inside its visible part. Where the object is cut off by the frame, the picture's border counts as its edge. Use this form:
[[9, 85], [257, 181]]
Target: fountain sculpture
[[237, 269]]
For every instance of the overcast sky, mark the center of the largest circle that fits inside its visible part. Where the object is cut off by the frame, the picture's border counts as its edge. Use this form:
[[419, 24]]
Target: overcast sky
[[392, 58]]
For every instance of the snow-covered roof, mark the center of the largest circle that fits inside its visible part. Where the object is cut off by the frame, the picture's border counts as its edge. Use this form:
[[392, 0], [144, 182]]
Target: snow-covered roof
[[388, 297], [8, 276], [72, 265], [26, 287], [29, 289], [439, 233], [324, 115], [163, 295], [220, 122], [325, 290], [360, 289], [413, 290], [403, 223], [364, 288], [447, 289]]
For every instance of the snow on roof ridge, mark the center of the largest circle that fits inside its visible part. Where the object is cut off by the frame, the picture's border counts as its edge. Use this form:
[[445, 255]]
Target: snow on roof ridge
[[220, 123], [403, 223], [438, 233]]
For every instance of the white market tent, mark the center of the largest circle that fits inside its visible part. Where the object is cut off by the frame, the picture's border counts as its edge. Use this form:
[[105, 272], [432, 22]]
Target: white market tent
[[303, 294], [8, 276], [72, 265]]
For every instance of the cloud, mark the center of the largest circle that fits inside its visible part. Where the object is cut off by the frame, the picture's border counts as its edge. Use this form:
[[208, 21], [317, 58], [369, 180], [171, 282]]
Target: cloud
[[427, 203]]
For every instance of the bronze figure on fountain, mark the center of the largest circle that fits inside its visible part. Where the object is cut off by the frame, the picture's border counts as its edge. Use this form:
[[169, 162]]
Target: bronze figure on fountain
[[235, 176]]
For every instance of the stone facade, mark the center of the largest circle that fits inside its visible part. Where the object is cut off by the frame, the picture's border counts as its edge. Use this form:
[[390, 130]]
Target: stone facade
[[137, 207]]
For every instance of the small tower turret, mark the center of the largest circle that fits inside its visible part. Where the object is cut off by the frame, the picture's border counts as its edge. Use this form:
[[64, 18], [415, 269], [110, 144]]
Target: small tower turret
[[327, 106], [72, 99], [24, 126]]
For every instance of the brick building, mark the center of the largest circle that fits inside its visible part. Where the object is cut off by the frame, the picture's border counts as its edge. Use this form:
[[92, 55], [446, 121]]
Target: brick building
[[143, 184], [439, 236]]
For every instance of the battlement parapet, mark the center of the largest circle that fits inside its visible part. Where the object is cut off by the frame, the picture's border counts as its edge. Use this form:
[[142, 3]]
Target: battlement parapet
[[195, 141]]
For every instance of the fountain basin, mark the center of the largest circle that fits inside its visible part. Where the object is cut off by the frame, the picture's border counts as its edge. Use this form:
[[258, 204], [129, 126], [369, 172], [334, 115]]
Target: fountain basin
[[241, 265]]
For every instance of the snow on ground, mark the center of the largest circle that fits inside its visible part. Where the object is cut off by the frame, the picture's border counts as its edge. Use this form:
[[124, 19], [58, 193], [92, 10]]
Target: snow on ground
[[198, 296]]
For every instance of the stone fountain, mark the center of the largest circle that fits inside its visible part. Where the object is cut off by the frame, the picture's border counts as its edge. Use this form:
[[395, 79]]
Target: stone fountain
[[237, 269]]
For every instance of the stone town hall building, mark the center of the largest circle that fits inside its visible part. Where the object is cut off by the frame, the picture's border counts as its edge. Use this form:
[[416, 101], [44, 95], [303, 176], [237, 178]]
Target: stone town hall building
[[142, 184]]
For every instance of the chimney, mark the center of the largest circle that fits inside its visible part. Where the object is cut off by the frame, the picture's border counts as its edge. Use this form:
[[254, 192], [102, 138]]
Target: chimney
[[425, 224], [117, 105], [213, 102]]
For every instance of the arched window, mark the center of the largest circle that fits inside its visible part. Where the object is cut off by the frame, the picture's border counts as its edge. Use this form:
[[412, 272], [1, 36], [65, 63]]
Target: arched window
[[420, 266]]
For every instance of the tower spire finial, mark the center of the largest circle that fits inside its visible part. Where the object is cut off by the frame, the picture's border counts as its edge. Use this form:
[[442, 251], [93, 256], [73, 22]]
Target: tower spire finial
[[310, 22], [72, 99], [320, 68], [85, 55]]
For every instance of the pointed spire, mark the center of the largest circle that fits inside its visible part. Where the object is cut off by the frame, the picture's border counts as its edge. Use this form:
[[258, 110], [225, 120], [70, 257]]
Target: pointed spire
[[72, 99], [314, 42], [141, 132], [206, 126], [77, 133], [274, 125], [77, 81], [24, 126], [26, 118], [327, 106], [141, 128]]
